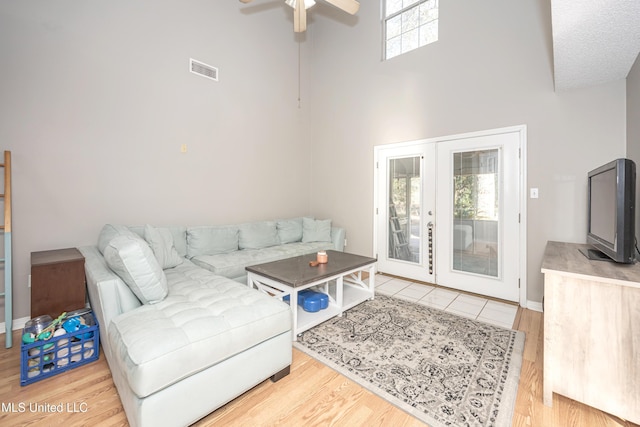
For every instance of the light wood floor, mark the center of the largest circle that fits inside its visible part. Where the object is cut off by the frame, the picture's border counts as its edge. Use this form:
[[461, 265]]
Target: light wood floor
[[312, 395]]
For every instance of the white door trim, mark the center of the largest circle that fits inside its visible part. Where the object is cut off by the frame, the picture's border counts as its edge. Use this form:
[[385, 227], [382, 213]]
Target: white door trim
[[522, 131]]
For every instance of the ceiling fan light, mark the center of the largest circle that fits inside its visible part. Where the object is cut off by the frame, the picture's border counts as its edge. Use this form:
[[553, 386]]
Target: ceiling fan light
[[307, 3]]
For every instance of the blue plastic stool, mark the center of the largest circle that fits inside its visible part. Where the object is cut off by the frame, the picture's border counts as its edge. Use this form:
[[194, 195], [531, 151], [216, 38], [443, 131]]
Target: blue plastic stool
[[311, 301]]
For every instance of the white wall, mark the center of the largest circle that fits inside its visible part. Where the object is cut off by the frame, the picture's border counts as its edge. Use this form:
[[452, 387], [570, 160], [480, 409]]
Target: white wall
[[96, 99], [633, 127], [492, 67]]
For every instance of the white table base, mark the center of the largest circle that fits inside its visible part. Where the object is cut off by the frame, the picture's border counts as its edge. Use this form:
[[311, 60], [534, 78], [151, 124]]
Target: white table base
[[345, 290]]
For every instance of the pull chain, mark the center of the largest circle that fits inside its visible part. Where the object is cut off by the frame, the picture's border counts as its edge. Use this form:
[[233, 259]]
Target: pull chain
[[299, 74]]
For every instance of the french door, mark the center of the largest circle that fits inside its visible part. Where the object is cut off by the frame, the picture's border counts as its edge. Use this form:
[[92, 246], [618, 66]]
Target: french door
[[405, 215], [448, 211]]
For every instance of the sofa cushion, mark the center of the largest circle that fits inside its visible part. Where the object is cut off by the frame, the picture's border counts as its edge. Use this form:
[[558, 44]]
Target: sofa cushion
[[290, 230], [207, 240], [161, 242], [132, 259], [233, 264], [316, 230], [178, 233], [111, 231], [258, 235], [205, 319]]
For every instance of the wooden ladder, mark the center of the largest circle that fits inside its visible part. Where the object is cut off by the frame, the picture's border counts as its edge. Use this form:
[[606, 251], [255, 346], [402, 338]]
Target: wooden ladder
[[399, 241], [6, 230]]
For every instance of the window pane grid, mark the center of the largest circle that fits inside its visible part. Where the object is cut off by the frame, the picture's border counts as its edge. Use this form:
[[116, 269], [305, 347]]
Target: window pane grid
[[409, 24], [410, 19]]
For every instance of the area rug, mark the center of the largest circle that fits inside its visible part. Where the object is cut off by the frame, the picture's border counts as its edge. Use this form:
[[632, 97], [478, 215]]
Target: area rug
[[444, 369]]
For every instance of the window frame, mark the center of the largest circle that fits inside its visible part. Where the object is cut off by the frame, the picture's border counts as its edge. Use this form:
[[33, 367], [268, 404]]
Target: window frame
[[399, 12]]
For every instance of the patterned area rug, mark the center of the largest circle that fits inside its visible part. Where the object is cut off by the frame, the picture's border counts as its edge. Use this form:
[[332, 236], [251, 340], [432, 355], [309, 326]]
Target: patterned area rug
[[444, 369]]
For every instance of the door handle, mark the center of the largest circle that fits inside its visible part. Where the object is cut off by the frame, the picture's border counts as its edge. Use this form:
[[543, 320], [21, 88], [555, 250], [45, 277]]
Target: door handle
[[430, 245]]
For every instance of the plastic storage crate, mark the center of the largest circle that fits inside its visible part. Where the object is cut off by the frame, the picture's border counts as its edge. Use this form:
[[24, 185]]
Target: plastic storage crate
[[46, 358]]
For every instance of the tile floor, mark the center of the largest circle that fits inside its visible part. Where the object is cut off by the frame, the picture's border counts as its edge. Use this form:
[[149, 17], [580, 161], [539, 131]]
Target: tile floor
[[482, 309]]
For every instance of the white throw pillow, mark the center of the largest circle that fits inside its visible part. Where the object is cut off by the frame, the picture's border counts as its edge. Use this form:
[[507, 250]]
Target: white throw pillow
[[161, 242], [212, 240], [132, 259], [290, 230], [110, 232], [316, 230], [258, 235]]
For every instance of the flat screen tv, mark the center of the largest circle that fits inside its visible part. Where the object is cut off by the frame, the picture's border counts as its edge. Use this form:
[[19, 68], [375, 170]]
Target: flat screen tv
[[611, 211]]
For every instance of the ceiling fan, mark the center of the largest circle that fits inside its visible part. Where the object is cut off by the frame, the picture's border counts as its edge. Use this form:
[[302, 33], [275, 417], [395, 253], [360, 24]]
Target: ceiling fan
[[300, 10]]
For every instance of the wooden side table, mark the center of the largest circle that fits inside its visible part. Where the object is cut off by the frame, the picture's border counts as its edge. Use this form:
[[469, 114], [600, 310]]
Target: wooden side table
[[57, 282]]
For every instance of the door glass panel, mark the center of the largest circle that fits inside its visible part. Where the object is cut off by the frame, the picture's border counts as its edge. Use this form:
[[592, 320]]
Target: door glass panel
[[405, 188], [476, 207]]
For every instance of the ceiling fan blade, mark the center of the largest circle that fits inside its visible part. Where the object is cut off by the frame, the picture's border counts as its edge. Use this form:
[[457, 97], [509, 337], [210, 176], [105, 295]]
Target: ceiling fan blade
[[245, 1], [349, 6], [299, 17]]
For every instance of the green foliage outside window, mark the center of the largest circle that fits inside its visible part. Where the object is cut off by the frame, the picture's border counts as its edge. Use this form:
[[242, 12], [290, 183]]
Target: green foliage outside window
[[464, 201], [476, 196]]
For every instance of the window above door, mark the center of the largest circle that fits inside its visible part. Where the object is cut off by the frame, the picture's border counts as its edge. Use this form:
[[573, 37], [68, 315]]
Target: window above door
[[408, 25]]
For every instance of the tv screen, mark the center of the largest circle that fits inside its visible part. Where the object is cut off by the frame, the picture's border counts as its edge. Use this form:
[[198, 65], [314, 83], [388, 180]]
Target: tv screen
[[603, 205], [611, 211]]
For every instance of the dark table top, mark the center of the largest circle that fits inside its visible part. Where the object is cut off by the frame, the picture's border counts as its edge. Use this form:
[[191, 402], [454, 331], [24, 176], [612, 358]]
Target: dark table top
[[296, 271], [55, 256]]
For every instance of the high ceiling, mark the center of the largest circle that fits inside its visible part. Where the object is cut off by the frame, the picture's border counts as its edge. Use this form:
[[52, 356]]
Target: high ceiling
[[594, 41]]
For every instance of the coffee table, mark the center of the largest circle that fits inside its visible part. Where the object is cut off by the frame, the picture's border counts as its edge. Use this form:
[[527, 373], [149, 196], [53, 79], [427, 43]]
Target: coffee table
[[340, 278]]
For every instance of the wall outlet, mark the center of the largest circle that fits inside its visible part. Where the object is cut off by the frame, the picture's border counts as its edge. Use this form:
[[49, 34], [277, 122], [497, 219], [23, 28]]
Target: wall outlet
[[533, 193]]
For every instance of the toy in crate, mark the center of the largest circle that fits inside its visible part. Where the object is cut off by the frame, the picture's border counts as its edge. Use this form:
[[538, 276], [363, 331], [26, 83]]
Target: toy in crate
[[53, 346]]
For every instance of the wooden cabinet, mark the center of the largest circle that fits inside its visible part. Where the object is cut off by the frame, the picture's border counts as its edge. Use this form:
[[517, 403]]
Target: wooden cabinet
[[57, 282], [591, 331]]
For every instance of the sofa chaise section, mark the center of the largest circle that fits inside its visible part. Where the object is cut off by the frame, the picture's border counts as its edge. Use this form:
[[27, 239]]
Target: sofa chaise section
[[204, 320], [180, 340]]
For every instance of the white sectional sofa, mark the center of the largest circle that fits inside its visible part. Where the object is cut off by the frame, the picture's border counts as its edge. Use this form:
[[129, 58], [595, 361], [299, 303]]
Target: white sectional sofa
[[226, 250], [180, 336]]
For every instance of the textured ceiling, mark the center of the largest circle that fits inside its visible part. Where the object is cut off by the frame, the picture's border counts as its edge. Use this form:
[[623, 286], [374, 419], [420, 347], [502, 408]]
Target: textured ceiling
[[594, 41]]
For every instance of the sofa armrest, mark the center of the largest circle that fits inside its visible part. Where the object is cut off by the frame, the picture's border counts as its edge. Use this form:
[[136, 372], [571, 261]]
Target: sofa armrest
[[338, 237], [108, 294]]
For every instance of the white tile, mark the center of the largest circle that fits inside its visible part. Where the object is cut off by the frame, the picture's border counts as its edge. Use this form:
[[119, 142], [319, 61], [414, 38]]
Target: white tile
[[446, 292], [438, 299], [421, 286], [384, 291], [464, 306], [495, 322], [472, 300], [503, 317], [433, 303], [459, 313], [415, 291], [469, 306], [393, 285], [381, 278], [501, 306], [405, 297]]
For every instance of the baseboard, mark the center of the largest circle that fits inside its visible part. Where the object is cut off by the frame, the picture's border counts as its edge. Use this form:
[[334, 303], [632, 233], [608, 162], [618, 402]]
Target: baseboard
[[535, 306], [17, 324]]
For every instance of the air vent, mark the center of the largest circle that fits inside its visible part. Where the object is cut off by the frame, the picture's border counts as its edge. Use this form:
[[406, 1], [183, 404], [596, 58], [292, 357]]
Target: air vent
[[203, 69]]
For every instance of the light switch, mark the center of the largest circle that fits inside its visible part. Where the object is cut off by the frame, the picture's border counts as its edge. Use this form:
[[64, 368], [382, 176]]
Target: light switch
[[533, 192], [183, 148]]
